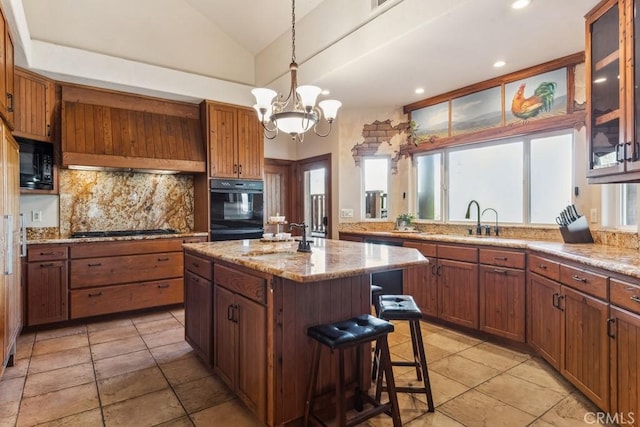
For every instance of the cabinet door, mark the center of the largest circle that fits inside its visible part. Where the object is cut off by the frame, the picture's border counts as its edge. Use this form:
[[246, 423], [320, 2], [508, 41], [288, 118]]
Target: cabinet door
[[421, 283], [223, 160], [585, 355], [252, 355], [32, 105], [224, 338], [250, 145], [632, 140], [3, 67], [46, 292], [9, 67], [198, 315], [458, 292], [544, 319], [502, 302], [606, 74], [625, 364]]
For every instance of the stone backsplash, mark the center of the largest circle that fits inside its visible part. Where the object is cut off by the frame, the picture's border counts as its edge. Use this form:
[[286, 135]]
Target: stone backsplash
[[628, 240], [92, 201]]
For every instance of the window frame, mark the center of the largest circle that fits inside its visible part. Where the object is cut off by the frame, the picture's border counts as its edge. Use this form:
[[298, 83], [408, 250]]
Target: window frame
[[526, 190], [363, 204]]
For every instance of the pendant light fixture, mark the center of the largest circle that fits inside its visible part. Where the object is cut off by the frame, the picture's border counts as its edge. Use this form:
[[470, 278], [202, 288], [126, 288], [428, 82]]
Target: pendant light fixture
[[297, 113]]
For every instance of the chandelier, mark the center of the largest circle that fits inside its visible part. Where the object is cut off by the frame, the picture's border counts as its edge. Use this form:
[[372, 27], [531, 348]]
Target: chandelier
[[297, 113]]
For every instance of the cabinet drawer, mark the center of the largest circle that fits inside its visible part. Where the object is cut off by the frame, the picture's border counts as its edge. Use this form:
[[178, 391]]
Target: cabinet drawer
[[198, 265], [426, 249], [47, 253], [250, 286], [119, 298], [125, 247], [458, 253], [625, 295], [502, 258], [123, 269], [544, 267], [584, 281]]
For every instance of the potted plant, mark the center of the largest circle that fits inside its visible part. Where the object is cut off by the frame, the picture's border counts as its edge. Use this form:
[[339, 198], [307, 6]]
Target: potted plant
[[404, 221]]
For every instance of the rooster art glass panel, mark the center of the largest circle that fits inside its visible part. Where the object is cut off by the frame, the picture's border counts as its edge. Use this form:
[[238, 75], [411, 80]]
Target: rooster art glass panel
[[536, 97]]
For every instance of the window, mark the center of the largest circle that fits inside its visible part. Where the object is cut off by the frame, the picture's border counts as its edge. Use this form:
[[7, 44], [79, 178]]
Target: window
[[375, 172], [528, 180], [620, 206]]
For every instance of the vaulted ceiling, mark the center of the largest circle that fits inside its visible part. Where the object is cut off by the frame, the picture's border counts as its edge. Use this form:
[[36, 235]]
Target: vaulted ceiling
[[220, 49]]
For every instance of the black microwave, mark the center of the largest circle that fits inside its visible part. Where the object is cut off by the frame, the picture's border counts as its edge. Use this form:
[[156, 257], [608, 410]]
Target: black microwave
[[36, 164]]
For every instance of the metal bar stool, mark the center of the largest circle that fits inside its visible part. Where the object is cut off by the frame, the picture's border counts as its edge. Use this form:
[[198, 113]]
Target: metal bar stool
[[341, 336], [403, 307]]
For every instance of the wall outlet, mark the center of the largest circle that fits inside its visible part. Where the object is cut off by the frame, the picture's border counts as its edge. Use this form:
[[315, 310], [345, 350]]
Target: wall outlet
[[346, 213], [36, 216], [593, 218]]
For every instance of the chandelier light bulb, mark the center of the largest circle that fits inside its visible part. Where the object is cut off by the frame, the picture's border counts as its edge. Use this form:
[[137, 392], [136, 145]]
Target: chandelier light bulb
[[308, 95], [330, 108]]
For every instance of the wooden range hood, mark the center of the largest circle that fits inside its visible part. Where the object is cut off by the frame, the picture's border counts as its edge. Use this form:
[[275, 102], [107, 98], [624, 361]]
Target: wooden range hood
[[115, 130]]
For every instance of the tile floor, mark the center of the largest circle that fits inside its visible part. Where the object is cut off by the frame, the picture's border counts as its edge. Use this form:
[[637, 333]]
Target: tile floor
[[139, 371]]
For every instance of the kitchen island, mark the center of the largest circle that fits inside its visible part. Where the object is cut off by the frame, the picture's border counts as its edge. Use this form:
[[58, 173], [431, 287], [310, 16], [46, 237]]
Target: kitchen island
[[248, 305]]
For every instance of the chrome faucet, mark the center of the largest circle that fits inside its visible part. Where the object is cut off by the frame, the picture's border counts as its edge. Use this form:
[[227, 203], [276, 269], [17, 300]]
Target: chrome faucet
[[304, 245], [495, 229], [468, 215]]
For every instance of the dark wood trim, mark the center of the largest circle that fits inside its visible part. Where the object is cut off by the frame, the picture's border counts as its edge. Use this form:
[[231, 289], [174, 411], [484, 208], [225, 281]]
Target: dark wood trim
[[566, 61], [323, 160], [575, 120], [127, 101]]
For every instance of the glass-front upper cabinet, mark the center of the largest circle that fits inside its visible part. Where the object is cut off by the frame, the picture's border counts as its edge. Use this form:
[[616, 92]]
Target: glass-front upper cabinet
[[611, 111]]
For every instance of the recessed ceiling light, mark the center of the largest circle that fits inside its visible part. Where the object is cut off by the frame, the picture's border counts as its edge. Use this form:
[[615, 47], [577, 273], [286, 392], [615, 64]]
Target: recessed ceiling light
[[499, 64], [325, 92], [600, 80], [419, 91], [519, 4]]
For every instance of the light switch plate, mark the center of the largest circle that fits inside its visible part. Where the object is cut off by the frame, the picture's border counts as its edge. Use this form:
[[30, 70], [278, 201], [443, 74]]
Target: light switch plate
[[346, 213]]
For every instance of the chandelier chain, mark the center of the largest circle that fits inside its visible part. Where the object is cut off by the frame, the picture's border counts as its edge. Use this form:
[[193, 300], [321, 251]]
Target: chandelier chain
[[293, 30]]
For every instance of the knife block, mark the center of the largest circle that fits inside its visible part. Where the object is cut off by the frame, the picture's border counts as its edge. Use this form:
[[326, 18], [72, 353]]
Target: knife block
[[577, 232]]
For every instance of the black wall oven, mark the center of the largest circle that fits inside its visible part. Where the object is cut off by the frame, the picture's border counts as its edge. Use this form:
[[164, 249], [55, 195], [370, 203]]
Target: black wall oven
[[237, 208]]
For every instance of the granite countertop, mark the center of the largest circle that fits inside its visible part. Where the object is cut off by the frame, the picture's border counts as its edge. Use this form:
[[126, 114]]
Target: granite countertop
[[619, 260], [328, 259], [115, 239]]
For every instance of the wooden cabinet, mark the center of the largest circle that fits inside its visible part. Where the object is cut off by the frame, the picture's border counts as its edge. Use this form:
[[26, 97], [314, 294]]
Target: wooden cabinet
[[611, 76], [6, 72], [47, 284], [113, 277], [421, 282], [544, 319], [10, 280], [34, 102], [457, 273], [198, 297], [568, 327], [502, 293], [585, 346], [240, 318], [235, 141], [625, 349]]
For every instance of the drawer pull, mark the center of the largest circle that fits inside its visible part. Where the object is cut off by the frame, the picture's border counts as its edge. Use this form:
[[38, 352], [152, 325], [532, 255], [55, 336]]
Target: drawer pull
[[635, 298], [501, 258], [542, 267], [165, 286], [195, 279], [49, 264], [195, 264], [97, 294], [163, 259], [579, 279], [499, 271], [97, 264], [47, 253]]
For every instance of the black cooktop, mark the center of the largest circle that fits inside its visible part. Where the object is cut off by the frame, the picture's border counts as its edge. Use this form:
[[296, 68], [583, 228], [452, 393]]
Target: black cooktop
[[121, 233]]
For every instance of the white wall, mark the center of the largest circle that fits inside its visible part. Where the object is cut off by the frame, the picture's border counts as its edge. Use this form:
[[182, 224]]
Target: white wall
[[48, 205]]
